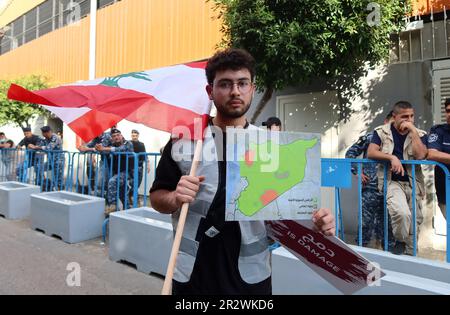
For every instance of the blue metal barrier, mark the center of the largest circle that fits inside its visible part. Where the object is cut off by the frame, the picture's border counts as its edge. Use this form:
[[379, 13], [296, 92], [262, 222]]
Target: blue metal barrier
[[42, 168], [150, 162]]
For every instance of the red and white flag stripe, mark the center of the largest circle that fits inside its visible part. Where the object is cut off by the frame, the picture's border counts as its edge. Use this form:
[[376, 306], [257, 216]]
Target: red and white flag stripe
[[163, 99]]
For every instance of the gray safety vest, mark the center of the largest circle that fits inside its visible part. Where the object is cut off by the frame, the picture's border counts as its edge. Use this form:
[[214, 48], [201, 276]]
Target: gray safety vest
[[254, 256]]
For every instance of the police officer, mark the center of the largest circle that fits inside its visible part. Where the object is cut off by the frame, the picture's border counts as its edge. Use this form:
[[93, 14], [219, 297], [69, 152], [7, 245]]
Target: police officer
[[119, 168], [55, 160], [372, 198], [439, 151]]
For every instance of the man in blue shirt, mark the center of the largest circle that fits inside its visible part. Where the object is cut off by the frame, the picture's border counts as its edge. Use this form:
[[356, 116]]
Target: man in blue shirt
[[398, 141], [439, 151]]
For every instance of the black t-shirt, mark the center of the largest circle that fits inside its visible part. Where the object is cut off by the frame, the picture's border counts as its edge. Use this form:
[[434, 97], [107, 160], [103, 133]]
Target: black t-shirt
[[216, 266], [32, 140], [139, 147], [399, 143]]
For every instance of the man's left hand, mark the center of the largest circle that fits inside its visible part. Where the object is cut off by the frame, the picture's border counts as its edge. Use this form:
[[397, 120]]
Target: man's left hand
[[324, 221]]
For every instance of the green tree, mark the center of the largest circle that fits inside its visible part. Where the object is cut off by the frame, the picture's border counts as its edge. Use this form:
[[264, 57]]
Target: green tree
[[19, 113], [296, 41]]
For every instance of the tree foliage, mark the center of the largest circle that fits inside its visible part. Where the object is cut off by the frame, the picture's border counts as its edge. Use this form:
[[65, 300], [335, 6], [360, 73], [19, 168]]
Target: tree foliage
[[296, 41], [19, 113]]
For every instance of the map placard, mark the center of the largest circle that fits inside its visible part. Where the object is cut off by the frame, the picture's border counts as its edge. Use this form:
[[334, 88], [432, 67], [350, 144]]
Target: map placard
[[272, 175]]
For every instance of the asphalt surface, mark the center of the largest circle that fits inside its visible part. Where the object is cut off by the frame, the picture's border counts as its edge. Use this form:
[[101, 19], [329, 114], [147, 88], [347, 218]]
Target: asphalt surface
[[33, 263]]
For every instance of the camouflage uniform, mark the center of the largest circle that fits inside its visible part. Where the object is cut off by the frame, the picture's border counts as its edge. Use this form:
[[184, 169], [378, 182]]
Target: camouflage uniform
[[104, 169], [372, 199], [55, 161], [120, 177]]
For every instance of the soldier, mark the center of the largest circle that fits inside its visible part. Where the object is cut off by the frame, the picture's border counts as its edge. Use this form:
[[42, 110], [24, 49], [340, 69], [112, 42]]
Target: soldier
[[119, 168], [55, 160], [372, 199]]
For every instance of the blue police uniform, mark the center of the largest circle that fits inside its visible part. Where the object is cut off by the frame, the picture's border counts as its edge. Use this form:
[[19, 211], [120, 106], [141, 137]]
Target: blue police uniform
[[104, 168], [55, 160], [119, 172], [372, 199], [439, 139]]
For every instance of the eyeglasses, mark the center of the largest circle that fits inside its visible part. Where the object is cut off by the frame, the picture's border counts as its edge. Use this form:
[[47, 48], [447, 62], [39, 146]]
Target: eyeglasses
[[226, 86]]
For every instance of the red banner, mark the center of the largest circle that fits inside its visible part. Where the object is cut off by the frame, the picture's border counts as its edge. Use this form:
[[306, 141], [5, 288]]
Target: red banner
[[331, 258]]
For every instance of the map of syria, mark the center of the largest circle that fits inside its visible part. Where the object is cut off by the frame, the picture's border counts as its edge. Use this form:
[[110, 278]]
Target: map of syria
[[265, 187]]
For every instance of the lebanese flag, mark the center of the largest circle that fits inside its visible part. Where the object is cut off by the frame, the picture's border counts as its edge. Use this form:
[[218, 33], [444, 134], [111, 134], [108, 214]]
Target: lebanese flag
[[171, 99]]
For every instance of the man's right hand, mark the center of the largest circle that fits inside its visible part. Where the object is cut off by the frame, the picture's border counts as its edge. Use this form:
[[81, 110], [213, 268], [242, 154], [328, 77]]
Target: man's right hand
[[396, 166], [187, 189]]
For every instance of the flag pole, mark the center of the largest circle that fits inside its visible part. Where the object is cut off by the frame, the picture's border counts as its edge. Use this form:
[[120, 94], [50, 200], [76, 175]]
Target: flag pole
[[167, 288]]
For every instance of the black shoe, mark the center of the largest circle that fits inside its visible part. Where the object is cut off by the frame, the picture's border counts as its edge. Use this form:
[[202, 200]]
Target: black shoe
[[399, 248]]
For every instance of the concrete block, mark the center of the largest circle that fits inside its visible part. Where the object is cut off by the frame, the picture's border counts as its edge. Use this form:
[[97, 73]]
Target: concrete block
[[143, 237], [405, 275], [72, 217], [15, 199]]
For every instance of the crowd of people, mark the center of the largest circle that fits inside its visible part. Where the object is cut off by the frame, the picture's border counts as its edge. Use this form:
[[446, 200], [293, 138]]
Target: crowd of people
[[44, 154], [117, 170]]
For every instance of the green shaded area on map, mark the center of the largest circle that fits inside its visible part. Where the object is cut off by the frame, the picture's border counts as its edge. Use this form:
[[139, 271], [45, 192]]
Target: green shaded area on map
[[264, 187]]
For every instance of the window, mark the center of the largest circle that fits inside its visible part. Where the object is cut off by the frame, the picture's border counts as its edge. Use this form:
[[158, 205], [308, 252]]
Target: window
[[440, 39], [428, 42], [104, 3], [43, 19], [404, 47], [415, 44], [45, 11], [5, 42], [31, 19]]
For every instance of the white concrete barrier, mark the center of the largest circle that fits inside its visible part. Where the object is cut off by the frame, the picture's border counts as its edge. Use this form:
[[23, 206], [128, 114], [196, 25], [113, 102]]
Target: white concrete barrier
[[15, 199], [404, 275], [72, 217], [143, 237]]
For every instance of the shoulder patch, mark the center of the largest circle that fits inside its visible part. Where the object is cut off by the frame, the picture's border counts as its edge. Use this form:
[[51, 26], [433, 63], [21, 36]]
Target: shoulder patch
[[433, 138]]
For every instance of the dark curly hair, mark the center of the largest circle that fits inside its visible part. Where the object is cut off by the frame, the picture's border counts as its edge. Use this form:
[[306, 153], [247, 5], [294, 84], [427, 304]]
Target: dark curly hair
[[231, 58]]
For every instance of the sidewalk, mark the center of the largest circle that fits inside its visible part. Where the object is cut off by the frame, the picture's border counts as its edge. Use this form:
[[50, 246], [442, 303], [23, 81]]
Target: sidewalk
[[33, 263]]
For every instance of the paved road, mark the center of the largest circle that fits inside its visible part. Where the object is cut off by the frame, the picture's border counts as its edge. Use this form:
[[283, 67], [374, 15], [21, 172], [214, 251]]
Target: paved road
[[33, 263]]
